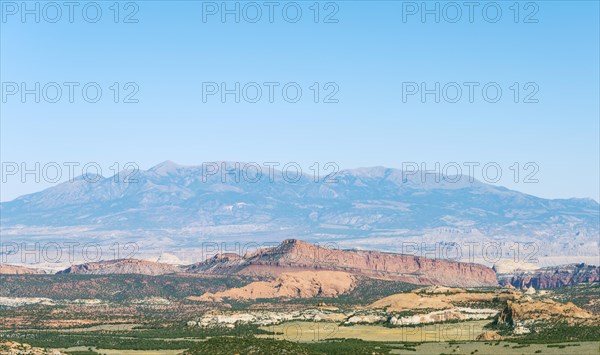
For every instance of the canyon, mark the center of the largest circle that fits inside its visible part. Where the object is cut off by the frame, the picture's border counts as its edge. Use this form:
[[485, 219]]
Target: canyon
[[552, 277]]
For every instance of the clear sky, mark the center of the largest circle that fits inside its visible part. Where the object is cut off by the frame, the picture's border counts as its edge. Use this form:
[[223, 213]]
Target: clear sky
[[368, 49]]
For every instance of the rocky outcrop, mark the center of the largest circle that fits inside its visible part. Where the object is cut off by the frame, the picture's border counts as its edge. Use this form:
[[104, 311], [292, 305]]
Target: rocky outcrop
[[295, 255], [219, 264], [14, 348], [439, 290], [417, 300], [365, 319], [24, 301], [304, 284], [446, 315], [490, 335], [263, 318], [553, 277], [122, 266], [510, 266], [6, 269], [527, 310]]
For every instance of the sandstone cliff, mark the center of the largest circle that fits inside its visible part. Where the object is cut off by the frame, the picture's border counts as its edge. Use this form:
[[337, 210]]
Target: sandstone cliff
[[303, 284], [430, 299], [553, 277], [295, 255], [530, 310]]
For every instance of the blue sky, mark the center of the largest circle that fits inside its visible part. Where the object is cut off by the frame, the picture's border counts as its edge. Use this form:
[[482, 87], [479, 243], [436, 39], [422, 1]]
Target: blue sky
[[369, 53]]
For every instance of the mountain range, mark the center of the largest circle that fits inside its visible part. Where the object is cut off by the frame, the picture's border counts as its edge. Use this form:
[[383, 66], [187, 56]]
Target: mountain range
[[172, 207]]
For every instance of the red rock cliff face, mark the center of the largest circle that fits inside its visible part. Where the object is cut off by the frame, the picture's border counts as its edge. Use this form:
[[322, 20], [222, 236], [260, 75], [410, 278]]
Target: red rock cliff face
[[553, 277], [298, 255]]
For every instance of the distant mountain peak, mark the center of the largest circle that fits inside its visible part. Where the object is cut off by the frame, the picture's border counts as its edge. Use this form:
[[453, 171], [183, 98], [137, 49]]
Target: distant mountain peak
[[293, 242], [165, 167], [294, 246]]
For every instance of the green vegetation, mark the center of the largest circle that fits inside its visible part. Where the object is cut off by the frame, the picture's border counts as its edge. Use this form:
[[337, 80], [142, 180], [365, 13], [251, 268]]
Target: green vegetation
[[114, 287], [250, 345], [370, 290], [549, 333], [138, 339], [96, 339], [227, 346], [182, 331], [582, 296], [366, 291], [120, 323], [561, 346]]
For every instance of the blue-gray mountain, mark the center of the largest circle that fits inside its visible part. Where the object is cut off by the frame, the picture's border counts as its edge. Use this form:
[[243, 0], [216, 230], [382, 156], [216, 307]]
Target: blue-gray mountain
[[376, 206]]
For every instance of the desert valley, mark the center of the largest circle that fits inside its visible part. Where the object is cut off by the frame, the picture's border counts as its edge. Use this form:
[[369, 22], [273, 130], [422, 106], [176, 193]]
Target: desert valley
[[299, 298]]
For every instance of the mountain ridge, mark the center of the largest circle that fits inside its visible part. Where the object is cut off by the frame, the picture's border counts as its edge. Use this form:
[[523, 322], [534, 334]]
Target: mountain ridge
[[302, 256], [298, 256], [374, 208]]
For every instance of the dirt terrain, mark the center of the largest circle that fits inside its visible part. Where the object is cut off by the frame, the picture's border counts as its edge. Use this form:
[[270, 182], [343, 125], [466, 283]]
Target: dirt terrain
[[6, 269], [427, 299], [303, 284], [15, 348]]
